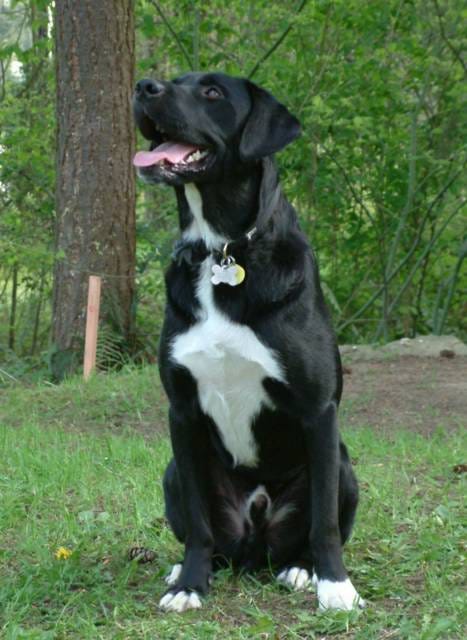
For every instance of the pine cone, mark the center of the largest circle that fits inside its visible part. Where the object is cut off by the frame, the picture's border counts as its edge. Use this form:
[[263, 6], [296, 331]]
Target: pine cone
[[141, 555]]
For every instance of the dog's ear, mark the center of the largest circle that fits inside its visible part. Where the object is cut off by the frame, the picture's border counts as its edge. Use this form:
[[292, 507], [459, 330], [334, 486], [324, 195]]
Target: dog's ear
[[269, 127]]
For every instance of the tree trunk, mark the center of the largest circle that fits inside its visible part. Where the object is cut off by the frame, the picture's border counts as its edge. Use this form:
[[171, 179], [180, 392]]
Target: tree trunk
[[14, 300], [95, 192]]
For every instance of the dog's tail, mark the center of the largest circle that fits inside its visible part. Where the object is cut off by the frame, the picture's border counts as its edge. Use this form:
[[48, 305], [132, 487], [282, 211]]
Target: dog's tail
[[257, 514], [258, 508], [258, 529]]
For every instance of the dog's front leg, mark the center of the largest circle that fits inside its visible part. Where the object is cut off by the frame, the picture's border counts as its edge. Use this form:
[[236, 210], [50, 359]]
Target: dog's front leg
[[335, 590], [190, 446]]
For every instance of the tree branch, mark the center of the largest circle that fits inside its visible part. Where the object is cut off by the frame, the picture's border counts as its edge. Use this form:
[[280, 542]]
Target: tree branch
[[424, 253], [281, 38], [407, 256], [452, 286], [411, 180], [181, 46], [454, 51], [3, 81], [348, 181], [196, 21]]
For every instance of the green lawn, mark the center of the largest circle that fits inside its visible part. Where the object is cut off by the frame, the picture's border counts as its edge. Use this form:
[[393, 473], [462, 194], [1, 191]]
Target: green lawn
[[80, 468]]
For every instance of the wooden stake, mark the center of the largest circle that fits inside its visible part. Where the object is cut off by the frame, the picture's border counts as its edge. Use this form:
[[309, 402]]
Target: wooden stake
[[92, 322]]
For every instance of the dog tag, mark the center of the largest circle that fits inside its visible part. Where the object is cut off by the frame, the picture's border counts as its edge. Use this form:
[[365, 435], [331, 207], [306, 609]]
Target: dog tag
[[228, 272]]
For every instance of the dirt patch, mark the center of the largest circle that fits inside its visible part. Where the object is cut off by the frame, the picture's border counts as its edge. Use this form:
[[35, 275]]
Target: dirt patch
[[422, 346], [417, 393]]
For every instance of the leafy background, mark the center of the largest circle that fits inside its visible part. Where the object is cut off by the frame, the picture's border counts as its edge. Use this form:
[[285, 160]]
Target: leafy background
[[378, 176]]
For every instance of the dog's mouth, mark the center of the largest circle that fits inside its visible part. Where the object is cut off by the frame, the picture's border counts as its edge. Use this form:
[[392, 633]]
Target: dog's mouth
[[173, 156]]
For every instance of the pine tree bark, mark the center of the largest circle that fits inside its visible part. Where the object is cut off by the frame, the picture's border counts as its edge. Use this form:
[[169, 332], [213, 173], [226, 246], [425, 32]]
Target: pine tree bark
[[95, 194]]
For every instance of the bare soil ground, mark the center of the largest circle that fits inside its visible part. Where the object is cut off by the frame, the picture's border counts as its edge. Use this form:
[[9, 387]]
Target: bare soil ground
[[417, 393]]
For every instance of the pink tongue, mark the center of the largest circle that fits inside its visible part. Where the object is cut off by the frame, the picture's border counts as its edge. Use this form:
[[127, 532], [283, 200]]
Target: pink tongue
[[174, 152]]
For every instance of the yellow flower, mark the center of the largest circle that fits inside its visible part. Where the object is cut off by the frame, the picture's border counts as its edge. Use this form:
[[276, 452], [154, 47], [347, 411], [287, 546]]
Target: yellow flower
[[63, 553]]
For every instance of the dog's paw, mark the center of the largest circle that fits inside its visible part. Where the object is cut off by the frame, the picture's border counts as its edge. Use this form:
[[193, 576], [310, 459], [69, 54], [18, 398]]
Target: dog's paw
[[295, 578], [180, 601], [338, 595], [174, 575]]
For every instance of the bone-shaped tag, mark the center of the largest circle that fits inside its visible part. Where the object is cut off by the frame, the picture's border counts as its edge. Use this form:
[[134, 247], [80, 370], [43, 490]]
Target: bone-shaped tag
[[232, 274]]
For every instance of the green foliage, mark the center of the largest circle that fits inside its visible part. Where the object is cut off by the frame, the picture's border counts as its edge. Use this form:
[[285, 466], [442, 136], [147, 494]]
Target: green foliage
[[27, 139], [379, 169], [377, 176]]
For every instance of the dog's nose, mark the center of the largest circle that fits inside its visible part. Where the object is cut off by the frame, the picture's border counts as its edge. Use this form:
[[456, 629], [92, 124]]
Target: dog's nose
[[147, 88]]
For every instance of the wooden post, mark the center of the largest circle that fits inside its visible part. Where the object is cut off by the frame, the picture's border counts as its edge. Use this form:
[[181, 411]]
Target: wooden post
[[92, 322]]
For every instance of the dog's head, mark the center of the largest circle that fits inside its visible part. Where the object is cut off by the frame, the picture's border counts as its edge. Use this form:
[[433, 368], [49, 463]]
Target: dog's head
[[202, 125]]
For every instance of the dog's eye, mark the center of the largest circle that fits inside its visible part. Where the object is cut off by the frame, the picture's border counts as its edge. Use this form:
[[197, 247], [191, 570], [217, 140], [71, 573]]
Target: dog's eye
[[212, 93]]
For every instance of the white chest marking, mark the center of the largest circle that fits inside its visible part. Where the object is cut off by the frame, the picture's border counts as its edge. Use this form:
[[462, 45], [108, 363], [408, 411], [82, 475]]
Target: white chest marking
[[199, 228], [229, 364]]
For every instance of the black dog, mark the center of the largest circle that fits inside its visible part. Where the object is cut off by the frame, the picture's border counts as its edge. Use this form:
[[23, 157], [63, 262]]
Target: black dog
[[247, 356]]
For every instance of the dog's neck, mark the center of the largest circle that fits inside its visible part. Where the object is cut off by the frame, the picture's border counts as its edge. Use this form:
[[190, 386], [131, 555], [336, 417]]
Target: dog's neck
[[217, 212]]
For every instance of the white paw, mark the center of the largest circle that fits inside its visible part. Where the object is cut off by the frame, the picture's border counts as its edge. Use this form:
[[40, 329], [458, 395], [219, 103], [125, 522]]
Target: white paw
[[174, 575], [294, 578], [338, 595], [181, 601]]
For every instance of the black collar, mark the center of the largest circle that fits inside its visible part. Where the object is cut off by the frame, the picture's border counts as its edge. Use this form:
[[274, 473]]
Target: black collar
[[194, 252]]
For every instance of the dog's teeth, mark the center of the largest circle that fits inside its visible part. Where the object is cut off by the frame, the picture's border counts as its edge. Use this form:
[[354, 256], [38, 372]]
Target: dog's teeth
[[196, 155]]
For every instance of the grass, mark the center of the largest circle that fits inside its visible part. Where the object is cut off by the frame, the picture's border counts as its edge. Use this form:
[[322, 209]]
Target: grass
[[80, 467]]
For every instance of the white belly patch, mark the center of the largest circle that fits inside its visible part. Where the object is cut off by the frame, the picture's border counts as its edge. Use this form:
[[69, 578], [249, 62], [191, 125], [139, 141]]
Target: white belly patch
[[229, 364]]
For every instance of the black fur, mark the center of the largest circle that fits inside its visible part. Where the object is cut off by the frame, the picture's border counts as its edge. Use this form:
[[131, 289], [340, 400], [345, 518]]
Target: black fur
[[302, 461]]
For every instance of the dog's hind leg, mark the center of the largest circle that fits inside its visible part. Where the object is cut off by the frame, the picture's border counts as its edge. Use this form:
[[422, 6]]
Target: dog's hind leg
[[348, 495], [288, 535], [173, 505]]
